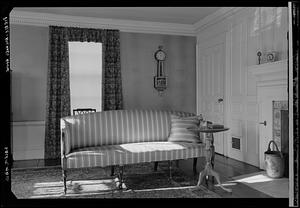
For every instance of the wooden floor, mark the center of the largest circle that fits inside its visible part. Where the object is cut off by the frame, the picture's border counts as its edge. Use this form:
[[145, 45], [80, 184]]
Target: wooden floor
[[226, 167]]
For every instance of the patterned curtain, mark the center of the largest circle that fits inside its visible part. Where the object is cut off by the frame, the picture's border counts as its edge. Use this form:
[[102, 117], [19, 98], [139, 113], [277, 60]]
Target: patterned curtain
[[85, 34], [112, 98], [58, 89], [58, 86]]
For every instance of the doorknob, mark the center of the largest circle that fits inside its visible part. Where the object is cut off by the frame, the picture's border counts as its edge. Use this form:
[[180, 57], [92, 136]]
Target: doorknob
[[264, 123], [220, 100]]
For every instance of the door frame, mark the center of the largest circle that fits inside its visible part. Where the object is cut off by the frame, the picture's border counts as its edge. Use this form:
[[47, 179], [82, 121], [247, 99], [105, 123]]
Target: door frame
[[290, 100]]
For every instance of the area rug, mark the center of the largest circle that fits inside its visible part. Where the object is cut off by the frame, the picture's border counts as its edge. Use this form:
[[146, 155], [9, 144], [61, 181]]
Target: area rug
[[278, 188], [140, 179]]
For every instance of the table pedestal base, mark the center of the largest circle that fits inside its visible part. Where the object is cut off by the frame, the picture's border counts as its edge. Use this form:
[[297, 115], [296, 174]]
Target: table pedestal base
[[209, 171]]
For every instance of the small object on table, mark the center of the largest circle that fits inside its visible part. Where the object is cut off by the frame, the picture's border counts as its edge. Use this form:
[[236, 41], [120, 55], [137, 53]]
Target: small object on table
[[259, 55], [218, 126], [208, 170]]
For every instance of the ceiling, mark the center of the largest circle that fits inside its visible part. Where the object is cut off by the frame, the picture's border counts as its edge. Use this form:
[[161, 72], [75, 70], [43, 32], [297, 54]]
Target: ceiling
[[183, 15]]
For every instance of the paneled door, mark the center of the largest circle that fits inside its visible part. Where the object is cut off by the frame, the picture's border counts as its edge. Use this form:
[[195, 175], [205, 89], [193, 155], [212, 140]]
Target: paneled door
[[242, 107], [210, 83]]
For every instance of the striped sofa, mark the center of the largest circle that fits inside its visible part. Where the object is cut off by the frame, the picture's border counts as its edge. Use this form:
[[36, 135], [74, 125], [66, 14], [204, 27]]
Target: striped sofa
[[120, 137]]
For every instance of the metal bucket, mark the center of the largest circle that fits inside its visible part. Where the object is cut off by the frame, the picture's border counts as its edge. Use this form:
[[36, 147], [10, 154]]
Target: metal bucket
[[274, 162]]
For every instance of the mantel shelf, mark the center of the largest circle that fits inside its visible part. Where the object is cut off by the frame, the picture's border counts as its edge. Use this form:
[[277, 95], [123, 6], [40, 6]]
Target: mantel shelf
[[270, 74], [268, 67]]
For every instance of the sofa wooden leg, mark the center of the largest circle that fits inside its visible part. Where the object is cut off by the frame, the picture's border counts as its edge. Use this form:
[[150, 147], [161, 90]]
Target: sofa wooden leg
[[120, 183], [64, 173], [177, 163], [170, 170], [155, 166], [195, 166], [112, 170]]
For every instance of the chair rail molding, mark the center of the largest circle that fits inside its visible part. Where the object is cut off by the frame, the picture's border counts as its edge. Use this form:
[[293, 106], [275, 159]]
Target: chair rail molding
[[46, 19], [28, 123]]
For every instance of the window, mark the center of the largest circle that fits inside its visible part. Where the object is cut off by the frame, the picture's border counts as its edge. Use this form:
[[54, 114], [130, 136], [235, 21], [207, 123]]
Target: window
[[85, 61]]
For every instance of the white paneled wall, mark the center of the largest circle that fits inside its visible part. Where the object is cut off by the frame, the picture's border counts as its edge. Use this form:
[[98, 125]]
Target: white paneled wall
[[247, 31], [244, 113], [28, 140]]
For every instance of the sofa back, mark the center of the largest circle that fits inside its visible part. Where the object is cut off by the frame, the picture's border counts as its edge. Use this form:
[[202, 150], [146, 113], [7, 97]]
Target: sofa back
[[117, 127]]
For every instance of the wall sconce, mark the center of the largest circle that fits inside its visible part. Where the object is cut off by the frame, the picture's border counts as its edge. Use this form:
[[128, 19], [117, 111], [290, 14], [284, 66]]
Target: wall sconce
[[160, 80]]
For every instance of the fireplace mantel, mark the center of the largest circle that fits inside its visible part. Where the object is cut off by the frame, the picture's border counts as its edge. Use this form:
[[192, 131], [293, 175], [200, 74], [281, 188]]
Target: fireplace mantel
[[270, 74], [271, 81]]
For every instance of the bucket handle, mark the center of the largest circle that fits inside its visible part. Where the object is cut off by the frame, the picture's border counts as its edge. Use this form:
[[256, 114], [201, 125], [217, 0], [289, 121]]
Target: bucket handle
[[269, 148]]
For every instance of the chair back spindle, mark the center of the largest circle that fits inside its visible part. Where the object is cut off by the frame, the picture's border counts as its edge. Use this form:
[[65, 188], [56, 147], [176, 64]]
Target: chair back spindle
[[83, 110]]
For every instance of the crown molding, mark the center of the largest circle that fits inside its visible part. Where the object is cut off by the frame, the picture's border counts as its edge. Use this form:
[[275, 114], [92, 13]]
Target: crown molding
[[46, 19], [215, 17]]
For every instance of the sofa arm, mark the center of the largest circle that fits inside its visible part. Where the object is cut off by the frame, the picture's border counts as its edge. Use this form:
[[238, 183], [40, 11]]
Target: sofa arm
[[64, 137]]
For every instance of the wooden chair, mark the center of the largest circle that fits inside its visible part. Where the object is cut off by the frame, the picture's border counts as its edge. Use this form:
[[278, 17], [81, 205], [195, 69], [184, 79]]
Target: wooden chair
[[83, 110]]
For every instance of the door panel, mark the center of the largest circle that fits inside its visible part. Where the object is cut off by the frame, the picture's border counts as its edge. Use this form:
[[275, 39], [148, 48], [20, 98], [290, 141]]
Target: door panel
[[211, 75], [242, 140], [222, 73]]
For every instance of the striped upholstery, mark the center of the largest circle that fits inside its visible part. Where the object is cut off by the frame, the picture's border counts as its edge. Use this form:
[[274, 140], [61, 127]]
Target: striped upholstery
[[98, 139], [133, 153], [179, 131], [116, 127]]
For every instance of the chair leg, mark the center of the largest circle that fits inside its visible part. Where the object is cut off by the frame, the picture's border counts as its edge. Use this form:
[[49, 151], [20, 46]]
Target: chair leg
[[155, 166], [64, 173], [112, 170], [195, 166]]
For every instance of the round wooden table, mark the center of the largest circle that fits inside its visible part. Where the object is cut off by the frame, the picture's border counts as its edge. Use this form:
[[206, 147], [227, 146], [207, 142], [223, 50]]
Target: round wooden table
[[209, 141]]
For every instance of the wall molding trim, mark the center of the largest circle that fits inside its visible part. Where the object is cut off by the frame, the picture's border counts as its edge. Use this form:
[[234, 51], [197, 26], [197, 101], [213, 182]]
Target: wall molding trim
[[28, 123], [46, 19], [215, 17]]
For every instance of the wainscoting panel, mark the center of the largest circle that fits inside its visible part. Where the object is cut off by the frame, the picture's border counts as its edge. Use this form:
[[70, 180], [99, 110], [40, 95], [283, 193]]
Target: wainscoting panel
[[252, 110], [236, 128], [252, 146], [28, 140], [236, 108]]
